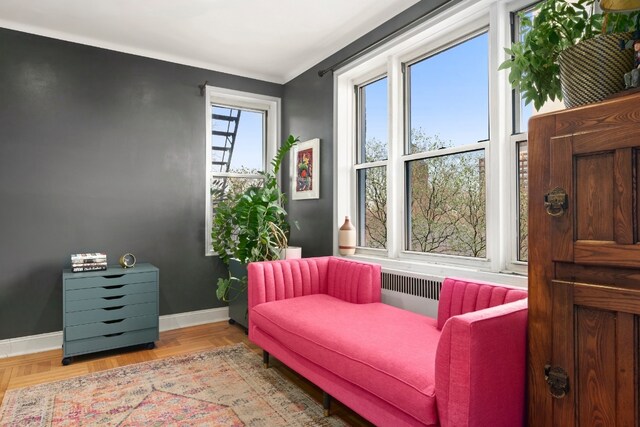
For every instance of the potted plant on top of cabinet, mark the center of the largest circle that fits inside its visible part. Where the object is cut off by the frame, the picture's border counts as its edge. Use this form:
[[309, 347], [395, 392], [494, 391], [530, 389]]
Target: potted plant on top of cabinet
[[569, 52], [250, 226]]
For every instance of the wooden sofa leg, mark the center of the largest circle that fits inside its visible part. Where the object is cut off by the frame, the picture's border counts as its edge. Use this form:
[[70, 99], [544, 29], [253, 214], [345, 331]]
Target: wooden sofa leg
[[265, 358], [326, 403]]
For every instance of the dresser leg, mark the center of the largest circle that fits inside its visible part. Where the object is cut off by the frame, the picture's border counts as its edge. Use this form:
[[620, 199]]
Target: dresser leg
[[67, 360], [265, 358]]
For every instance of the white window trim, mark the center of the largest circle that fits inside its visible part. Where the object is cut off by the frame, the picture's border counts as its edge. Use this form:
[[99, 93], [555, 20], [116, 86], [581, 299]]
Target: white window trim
[[509, 197], [461, 19], [245, 100]]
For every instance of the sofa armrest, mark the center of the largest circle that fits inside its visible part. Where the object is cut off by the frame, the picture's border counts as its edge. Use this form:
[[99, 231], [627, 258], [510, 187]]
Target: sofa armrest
[[481, 367], [276, 280], [460, 296]]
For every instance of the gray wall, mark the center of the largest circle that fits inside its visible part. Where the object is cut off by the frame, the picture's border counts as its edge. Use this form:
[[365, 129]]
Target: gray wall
[[308, 113], [100, 151], [103, 151]]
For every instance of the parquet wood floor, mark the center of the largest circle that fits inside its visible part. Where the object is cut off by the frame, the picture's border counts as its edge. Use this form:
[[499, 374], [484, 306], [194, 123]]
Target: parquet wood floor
[[38, 368]]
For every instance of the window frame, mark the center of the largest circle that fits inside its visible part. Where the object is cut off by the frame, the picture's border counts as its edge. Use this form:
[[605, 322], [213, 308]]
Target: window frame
[[360, 147], [451, 26], [270, 105], [449, 41], [515, 136], [517, 264]]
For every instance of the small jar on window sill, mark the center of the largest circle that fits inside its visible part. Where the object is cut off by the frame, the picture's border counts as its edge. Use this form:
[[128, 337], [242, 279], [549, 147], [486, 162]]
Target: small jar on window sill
[[347, 238]]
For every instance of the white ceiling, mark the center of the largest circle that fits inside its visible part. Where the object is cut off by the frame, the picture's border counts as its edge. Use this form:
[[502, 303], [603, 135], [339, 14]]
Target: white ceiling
[[269, 40]]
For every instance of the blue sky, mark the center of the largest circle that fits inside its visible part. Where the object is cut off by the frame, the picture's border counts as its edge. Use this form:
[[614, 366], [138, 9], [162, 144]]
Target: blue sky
[[449, 95], [248, 146], [449, 98], [248, 150]]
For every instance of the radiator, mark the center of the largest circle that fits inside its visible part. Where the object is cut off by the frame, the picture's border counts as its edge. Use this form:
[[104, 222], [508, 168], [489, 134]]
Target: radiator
[[415, 292]]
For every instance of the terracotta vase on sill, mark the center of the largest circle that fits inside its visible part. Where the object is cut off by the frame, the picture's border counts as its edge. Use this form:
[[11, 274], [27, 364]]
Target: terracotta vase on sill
[[347, 238]]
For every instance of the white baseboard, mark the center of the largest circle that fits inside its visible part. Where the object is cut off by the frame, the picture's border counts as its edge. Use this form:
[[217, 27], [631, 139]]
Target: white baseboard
[[193, 318], [53, 340], [30, 344]]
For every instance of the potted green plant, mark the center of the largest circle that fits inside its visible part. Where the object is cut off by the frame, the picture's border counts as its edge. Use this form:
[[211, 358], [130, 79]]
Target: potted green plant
[[250, 226], [569, 51]]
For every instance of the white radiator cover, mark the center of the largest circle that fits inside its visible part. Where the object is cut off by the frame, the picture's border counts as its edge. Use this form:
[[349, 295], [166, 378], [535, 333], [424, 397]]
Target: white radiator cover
[[415, 292]]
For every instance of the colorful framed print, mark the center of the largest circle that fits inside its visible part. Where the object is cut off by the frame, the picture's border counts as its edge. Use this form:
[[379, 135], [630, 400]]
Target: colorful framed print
[[305, 168]]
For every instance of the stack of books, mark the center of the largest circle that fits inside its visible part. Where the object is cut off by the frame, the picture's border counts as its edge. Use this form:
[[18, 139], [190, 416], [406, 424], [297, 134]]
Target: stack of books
[[88, 262]]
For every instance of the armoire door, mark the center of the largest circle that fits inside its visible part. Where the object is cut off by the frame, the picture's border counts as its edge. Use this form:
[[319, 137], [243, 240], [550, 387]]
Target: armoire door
[[598, 173], [593, 201], [595, 348]]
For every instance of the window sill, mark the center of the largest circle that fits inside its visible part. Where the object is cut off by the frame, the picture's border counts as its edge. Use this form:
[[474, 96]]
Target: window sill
[[426, 268]]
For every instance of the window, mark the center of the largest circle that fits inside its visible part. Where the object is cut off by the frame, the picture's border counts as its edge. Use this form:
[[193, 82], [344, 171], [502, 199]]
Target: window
[[237, 150], [523, 200], [371, 167], [448, 97], [445, 200], [242, 131], [520, 118], [431, 147], [446, 205]]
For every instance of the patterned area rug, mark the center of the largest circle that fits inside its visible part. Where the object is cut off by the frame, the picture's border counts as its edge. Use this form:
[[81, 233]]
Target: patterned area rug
[[223, 387]]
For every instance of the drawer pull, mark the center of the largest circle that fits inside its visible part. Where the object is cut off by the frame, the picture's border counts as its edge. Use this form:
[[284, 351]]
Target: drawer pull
[[113, 287], [114, 308], [113, 321], [113, 276], [113, 335], [116, 297]]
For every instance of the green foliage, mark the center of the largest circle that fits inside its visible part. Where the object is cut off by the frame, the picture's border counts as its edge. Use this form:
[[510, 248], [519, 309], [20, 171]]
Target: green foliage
[[556, 25], [226, 286], [279, 157], [223, 231], [252, 225]]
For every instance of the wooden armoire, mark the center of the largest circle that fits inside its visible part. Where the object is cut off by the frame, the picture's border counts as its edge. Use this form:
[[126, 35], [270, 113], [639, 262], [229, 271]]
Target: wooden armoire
[[584, 265]]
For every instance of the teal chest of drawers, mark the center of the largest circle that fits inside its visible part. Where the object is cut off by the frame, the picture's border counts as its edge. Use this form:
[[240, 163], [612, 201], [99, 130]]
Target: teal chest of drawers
[[108, 309]]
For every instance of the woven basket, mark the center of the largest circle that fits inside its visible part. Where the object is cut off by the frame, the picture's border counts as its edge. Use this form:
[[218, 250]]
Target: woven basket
[[594, 69]]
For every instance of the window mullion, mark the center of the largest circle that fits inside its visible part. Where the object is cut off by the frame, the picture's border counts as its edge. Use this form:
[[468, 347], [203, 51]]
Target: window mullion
[[446, 151], [395, 181], [236, 175], [497, 179]]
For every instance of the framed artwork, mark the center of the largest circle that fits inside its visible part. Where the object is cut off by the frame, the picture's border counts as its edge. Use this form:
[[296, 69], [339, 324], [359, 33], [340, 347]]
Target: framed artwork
[[305, 170]]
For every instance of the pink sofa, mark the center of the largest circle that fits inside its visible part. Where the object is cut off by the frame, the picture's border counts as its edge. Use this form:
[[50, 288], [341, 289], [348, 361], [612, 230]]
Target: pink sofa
[[323, 318]]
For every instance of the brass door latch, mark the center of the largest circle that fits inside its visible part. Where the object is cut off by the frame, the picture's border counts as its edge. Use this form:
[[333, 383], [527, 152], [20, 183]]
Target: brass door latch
[[558, 381], [556, 201]]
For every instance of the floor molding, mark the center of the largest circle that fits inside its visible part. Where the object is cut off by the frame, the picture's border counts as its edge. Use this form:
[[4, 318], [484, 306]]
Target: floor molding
[[53, 340], [193, 318]]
